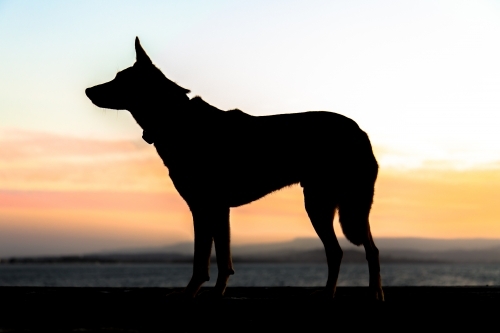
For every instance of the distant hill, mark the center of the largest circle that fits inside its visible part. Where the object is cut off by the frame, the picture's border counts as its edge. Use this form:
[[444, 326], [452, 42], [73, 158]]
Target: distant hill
[[301, 244], [308, 256], [392, 250]]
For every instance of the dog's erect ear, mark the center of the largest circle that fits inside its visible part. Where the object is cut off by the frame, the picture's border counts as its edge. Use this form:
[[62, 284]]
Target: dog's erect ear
[[140, 54]]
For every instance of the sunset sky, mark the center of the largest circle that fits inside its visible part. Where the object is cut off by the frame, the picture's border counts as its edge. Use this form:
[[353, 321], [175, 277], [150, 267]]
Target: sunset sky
[[422, 78]]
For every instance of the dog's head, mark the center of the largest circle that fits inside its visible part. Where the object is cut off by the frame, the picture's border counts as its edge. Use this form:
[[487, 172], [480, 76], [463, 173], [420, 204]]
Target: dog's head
[[141, 89]]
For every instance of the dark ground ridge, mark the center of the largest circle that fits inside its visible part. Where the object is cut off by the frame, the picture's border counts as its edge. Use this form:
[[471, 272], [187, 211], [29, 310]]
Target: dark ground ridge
[[254, 309]]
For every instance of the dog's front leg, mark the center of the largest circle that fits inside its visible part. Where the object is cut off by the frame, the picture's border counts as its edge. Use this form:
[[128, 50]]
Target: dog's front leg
[[202, 247], [222, 239]]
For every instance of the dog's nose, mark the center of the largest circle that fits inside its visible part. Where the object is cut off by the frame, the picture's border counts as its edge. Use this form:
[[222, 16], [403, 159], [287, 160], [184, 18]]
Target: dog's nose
[[87, 92]]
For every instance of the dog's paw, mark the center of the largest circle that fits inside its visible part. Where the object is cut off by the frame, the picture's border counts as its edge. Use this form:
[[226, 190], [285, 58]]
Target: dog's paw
[[210, 294], [377, 294], [322, 294], [179, 296]]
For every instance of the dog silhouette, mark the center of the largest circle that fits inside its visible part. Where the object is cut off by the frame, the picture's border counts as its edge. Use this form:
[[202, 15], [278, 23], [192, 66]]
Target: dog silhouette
[[222, 159]]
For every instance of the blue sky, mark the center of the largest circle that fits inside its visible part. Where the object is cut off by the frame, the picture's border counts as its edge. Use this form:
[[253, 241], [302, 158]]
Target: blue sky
[[421, 77]]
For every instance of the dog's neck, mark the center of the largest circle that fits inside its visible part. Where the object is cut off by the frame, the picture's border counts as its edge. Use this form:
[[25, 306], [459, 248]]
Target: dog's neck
[[148, 137], [164, 114]]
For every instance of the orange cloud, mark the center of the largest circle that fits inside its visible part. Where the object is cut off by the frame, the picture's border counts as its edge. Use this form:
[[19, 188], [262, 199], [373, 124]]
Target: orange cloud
[[102, 194], [438, 203]]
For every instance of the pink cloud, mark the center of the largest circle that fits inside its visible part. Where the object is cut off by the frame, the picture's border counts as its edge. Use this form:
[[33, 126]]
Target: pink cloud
[[18, 144], [43, 161]]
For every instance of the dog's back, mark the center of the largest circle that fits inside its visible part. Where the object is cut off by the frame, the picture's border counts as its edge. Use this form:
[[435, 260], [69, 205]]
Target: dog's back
[[241, 158]]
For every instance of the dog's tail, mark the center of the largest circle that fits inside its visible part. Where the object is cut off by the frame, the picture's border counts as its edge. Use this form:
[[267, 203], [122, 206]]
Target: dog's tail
[[359, 173]]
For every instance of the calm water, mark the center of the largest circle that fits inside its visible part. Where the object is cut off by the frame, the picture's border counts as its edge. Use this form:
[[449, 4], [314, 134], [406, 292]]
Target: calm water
[[177, 275]]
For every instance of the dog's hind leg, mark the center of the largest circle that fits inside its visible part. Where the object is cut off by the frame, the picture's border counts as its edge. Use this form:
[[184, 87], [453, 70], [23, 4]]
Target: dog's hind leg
[[372, 256], [320, 203], [354, 212]]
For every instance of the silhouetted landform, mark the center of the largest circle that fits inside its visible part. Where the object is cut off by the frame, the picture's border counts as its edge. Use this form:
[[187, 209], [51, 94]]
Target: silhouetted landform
[[301, 250], [254, 309], [312, 243], [311, 256]]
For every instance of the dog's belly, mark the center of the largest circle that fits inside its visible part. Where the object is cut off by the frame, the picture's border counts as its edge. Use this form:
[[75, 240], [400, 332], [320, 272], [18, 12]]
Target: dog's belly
[[245, 187], [235, 181], [232, 188]]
